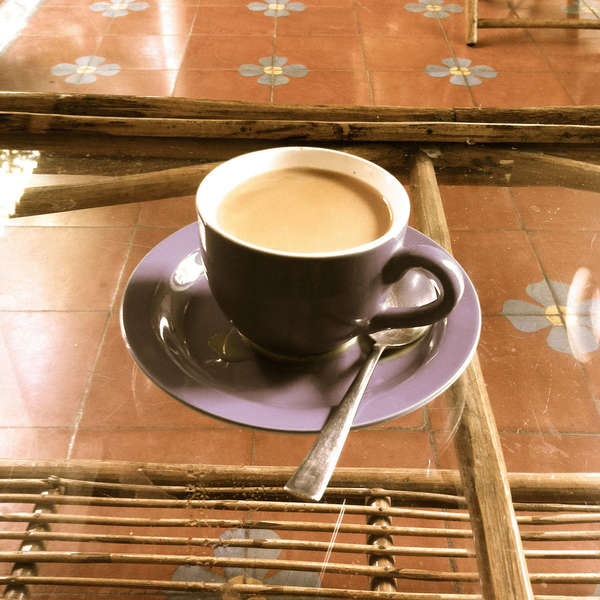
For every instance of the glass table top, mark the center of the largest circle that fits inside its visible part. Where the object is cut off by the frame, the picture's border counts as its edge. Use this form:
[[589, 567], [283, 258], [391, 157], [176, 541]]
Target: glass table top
[[522, 221]]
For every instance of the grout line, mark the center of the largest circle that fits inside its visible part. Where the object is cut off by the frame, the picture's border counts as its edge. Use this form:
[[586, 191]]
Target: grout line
[[361, 40], [451, 50], [88, 385], [274, 53]]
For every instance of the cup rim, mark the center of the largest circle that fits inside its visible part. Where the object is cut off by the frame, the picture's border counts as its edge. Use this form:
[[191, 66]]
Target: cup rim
[[399, 214]]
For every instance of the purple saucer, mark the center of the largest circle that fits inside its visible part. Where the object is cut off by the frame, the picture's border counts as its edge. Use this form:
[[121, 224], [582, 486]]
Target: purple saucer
[[182, 341]]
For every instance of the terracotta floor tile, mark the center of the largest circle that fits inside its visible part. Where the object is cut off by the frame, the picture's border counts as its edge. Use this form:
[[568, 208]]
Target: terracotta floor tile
[[479, 207], [321, 52], [33, 80], [221, 85], [543, 453], [395, 88], [521, 89], [44, 391], [195, 446], [404, 53], [325, 87], [34, 443], [123, 215], [121, 395], [363, 448], [413, 420], [170, 212], [501, 265], [585, 61], [562, 253], [70, 21], [393, 19], [557, 208], [232, 20], [163, 52], [318, 20], [58, 278], [444, 416], [532, 387], [144, 239], [44, 51], [581, 87], [157, 19], [497, 53], [205, 52], [145, 83]]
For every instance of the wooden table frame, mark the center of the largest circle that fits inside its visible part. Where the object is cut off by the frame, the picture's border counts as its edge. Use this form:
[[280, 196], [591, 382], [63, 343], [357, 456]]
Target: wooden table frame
[[461, 145], [474, 22]]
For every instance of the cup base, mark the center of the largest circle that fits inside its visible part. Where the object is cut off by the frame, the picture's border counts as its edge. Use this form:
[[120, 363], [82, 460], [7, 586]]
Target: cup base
[[292, 358]]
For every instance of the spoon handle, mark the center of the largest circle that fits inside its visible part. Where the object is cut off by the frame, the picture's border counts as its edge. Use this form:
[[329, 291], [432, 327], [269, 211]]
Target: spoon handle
[[312, 476]]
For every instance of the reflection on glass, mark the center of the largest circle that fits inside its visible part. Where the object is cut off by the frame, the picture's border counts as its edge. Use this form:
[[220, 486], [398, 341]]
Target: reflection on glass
[[16, 168], [583, 315], [14, 15]]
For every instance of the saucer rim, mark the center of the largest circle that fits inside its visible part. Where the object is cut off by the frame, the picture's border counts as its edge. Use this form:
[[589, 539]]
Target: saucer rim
[[432, 393]]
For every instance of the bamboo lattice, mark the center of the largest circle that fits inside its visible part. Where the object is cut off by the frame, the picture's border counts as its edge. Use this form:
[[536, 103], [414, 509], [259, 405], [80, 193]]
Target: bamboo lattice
[[74, 526]]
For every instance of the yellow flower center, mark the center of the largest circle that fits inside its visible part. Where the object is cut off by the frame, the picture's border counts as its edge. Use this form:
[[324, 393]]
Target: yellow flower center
[[86, 69], [553, 315], [434, 7], [119, 6], [459, 71], [273, 70], [230, 595], [275, 6]]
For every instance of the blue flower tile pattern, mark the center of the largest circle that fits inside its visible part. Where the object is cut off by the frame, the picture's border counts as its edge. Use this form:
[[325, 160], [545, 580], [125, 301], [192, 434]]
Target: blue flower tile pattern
[[461, 71], [276, 9], [434, 9], [233, 575], [273, 70], [571, 325], [85, 69], [118, 9]]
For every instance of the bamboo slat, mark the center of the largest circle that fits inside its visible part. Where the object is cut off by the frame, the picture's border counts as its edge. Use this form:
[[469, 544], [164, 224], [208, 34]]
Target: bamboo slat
[[234, 588], [539, 23], [567, 487]]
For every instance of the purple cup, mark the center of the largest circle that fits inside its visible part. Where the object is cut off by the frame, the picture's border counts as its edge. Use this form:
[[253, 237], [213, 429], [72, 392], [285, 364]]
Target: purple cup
[[294, 304]]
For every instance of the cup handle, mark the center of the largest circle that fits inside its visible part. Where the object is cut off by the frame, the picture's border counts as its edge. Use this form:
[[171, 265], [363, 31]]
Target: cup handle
[[438, 262]]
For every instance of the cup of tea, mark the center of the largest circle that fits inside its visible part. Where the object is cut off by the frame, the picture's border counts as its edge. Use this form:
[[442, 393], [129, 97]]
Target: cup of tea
[[302, 244]]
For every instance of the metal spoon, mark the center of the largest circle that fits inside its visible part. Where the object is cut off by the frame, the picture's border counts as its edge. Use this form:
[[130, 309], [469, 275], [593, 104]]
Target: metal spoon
[[312, 476]]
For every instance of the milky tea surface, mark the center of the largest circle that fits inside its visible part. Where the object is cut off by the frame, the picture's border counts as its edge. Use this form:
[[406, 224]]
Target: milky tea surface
[[304, 210]]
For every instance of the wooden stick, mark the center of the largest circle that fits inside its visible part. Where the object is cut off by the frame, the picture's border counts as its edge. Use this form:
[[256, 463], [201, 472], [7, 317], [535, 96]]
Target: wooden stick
[[471, 21], [499, 549], [185, 108], [236, 588], [37, 124], [225, 562], [18, 517], [235, 505], [539, 23], [151, 491], [555, 487], [141, 187], [280, 544]]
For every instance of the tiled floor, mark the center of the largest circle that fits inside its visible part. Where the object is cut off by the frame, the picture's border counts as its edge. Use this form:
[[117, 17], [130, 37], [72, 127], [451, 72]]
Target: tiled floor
[[68, 385]]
